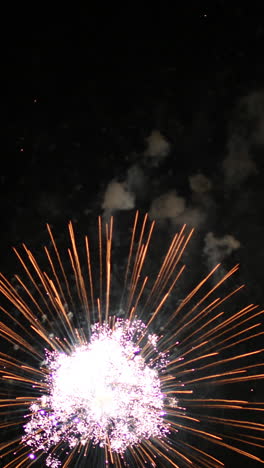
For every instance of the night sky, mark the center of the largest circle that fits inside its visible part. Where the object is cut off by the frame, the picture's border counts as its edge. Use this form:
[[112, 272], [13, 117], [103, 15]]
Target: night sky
[[143, 108]]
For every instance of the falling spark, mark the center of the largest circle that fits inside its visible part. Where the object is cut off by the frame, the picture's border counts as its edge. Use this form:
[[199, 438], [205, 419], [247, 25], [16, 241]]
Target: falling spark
[[124, 385]]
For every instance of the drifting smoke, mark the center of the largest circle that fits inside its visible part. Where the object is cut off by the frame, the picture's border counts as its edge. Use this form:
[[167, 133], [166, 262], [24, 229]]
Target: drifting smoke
[[238, 164], [245, 134], [253, 106], [158, 147], [199, 183], [218, 248], [136, 180], [117, 197], [200, 203], [167, 206]]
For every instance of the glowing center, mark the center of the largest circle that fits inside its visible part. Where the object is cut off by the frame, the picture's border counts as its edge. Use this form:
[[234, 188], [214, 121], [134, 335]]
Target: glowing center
[[103, 391], [101, 379]]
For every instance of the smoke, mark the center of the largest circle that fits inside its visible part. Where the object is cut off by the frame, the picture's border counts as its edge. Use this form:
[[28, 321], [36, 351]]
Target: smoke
[[192, 216], [159, 189], [117, 197], [246, 133], [218, 248], [158, 147], [238, 164], [199, 183], [254, 109], [172, 207], [167, 206], [136, 180]]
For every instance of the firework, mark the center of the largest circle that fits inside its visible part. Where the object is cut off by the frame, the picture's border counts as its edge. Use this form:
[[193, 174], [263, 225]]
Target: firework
[[127, 381], [103, 392]]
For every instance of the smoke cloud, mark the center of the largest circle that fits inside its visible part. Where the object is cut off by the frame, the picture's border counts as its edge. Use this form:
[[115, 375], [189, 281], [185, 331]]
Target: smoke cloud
[[218, 248], [117, 197], [158, 147]]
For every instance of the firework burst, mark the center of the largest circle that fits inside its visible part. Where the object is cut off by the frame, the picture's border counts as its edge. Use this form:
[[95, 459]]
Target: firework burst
[[125, 384]]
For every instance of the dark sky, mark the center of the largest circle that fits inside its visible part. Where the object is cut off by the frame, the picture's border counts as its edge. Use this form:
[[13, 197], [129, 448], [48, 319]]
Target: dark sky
[[144, 108], [84, 90]]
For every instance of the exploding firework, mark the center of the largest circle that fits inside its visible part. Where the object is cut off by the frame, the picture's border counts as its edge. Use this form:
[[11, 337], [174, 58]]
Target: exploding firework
[[127, 380]]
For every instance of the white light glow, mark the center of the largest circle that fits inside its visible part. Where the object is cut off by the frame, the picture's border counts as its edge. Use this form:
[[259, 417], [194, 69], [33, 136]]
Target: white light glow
[[104, 392]]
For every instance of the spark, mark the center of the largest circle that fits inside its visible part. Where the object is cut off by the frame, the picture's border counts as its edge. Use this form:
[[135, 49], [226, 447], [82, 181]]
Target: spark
[[120, 381], [103, 392]]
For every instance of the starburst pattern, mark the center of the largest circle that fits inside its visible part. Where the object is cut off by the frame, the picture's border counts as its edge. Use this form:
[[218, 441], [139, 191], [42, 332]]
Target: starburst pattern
[[122, 381], [102, 392]]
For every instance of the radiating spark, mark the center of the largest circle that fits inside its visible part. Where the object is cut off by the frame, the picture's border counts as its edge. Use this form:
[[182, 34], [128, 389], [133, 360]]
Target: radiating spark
[[103, 392], [97, 379]]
